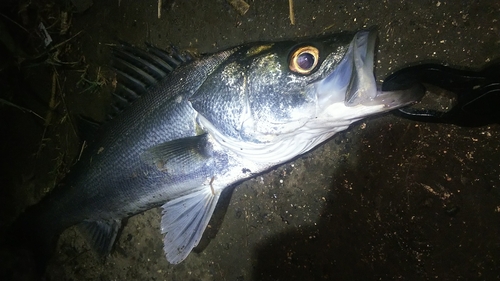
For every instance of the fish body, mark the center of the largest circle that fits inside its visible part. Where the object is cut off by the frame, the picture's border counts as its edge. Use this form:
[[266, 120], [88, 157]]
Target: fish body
[[211, 123]]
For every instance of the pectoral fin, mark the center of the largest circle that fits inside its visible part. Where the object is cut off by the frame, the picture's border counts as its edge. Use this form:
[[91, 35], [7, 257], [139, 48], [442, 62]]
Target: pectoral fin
[[180, 157], [184, 220], [185, 217]]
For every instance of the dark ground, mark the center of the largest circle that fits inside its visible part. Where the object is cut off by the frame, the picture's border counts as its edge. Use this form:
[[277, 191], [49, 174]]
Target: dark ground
[[389, 199]]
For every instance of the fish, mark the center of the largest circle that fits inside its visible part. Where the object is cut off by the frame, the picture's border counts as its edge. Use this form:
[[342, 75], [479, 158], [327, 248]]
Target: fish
[[190, 127]]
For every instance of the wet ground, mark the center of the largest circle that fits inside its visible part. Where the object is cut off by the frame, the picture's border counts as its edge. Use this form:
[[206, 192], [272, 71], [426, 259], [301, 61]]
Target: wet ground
[[389, 199]]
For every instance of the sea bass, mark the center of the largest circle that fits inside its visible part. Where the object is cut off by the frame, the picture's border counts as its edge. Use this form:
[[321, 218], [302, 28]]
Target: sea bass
[[212, 122]]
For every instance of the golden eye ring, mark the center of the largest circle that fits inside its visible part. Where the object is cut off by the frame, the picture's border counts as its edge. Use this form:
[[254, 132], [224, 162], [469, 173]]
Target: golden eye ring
[[304, 60]]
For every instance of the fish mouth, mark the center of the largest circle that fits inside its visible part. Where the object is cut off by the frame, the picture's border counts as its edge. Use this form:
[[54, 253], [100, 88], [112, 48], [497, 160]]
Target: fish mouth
[[355, 75], [362, 88]]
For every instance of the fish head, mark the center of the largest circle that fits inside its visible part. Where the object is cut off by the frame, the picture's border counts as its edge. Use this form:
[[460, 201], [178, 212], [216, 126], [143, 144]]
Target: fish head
[[302, 90]]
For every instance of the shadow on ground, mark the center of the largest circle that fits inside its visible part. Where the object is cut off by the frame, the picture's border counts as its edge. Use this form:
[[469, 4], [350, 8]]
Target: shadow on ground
[[404, 220]]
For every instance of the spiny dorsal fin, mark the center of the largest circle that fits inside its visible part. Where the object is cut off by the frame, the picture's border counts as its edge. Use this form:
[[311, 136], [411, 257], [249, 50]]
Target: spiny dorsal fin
[[137, 70]]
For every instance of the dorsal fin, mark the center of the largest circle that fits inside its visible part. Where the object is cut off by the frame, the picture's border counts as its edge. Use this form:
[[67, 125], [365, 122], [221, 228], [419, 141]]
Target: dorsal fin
[[137, 70]]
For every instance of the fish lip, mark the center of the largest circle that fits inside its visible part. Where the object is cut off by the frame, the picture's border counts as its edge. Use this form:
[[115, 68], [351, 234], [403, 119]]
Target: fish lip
[[362, 86], [362, 89], [398, 98]]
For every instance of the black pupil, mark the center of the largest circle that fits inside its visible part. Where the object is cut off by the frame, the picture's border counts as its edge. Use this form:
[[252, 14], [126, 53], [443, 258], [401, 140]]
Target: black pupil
[[305, 61]]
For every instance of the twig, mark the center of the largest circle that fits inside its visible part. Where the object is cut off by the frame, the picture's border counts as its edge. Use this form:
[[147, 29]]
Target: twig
[[66, 110], [23, 109], [52, 101], [292, 15], [58, 45], [66, 41], [159, 8], [20, 26], [84, 145]]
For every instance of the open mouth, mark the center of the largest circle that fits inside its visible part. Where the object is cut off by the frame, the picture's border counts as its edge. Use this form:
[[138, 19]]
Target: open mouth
[[360, 55], [362, 89]]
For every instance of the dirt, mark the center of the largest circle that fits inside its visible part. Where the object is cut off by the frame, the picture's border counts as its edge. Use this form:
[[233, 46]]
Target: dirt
[[389, 199]]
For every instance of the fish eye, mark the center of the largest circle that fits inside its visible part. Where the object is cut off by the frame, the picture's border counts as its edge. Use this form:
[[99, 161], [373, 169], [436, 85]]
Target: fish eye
[[304, 59]]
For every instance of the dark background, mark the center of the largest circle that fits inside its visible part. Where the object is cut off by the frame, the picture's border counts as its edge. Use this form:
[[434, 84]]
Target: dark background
[[389, 199]]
